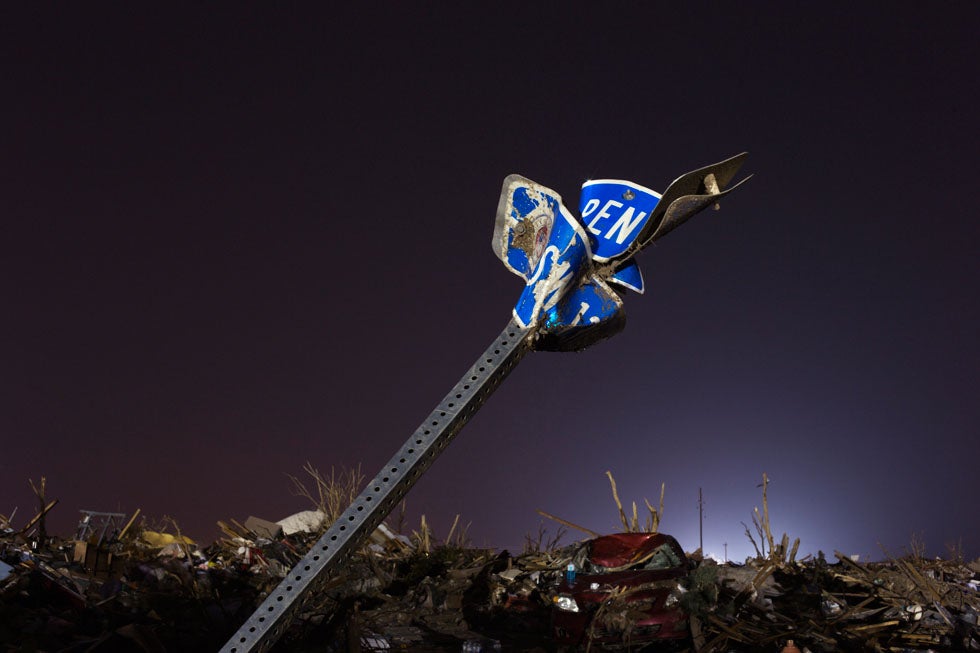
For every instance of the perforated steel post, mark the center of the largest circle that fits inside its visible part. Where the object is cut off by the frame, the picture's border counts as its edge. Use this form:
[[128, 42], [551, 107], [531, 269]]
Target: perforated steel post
[[397, 477]]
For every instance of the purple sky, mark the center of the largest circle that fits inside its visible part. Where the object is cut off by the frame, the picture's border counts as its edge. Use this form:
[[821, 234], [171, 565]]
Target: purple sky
[[239, 240]]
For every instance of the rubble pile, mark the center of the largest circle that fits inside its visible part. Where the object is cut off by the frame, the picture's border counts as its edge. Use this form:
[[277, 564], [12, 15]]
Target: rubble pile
[[130, 588], [906, 604], [120, 586], [142, 591]]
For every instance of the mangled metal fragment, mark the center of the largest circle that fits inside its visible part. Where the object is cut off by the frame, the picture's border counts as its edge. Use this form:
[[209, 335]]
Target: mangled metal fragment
[[570, 265]]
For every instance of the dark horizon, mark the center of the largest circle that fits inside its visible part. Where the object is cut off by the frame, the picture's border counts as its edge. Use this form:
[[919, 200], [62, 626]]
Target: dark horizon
[[241, 239]]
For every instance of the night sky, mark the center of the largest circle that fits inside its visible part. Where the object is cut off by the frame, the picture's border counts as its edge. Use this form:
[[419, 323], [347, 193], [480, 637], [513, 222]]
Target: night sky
[[237, 240]]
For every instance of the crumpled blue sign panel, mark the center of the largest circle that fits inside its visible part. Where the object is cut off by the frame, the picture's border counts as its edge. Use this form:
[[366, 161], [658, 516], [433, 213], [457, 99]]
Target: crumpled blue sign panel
[[629, 276], [614, 213], [525, 216], [568, 265], [586, 314], [538, 239]]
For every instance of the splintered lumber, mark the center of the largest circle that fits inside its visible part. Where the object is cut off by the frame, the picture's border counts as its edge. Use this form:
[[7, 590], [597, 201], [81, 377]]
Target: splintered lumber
[[563, 522], [36, 518], [857, 611], [815, 633], [132, 519], [230, 531], [242, 528], [764, 573], [794, 551], [765, 508], [619, 504], [731, 631], [868, 627]]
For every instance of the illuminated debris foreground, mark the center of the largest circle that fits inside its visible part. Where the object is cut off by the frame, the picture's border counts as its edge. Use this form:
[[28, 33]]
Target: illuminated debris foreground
[[393, 596], [570, 266], [567, 305]]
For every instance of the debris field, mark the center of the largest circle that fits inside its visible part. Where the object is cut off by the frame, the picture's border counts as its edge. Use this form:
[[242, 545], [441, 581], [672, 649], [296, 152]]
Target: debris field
[[119, 585]]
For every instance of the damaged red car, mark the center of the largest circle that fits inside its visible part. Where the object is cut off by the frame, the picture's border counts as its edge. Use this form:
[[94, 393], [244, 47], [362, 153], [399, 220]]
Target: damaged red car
[[622, 590]]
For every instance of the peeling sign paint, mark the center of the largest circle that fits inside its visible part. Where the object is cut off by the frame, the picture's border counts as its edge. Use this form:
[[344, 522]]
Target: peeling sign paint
[[569, 264]]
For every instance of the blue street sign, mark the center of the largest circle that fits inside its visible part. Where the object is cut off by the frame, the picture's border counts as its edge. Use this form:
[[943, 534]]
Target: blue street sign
[[538, 239], [568, 265], [614, 213], [592, 302]]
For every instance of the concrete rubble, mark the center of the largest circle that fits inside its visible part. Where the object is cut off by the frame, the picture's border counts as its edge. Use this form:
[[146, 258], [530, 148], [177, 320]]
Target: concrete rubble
[[122, 586]]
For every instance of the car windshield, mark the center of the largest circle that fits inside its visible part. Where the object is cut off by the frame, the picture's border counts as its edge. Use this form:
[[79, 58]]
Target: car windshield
[[663, 557]]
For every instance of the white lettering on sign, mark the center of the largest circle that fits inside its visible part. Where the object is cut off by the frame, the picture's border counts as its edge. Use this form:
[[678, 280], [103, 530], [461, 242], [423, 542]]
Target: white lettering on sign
[[603, 213], [590, 206], [624, 225]]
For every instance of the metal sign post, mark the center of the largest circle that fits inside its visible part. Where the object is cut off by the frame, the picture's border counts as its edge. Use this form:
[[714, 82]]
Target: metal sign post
[[568, 304]]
